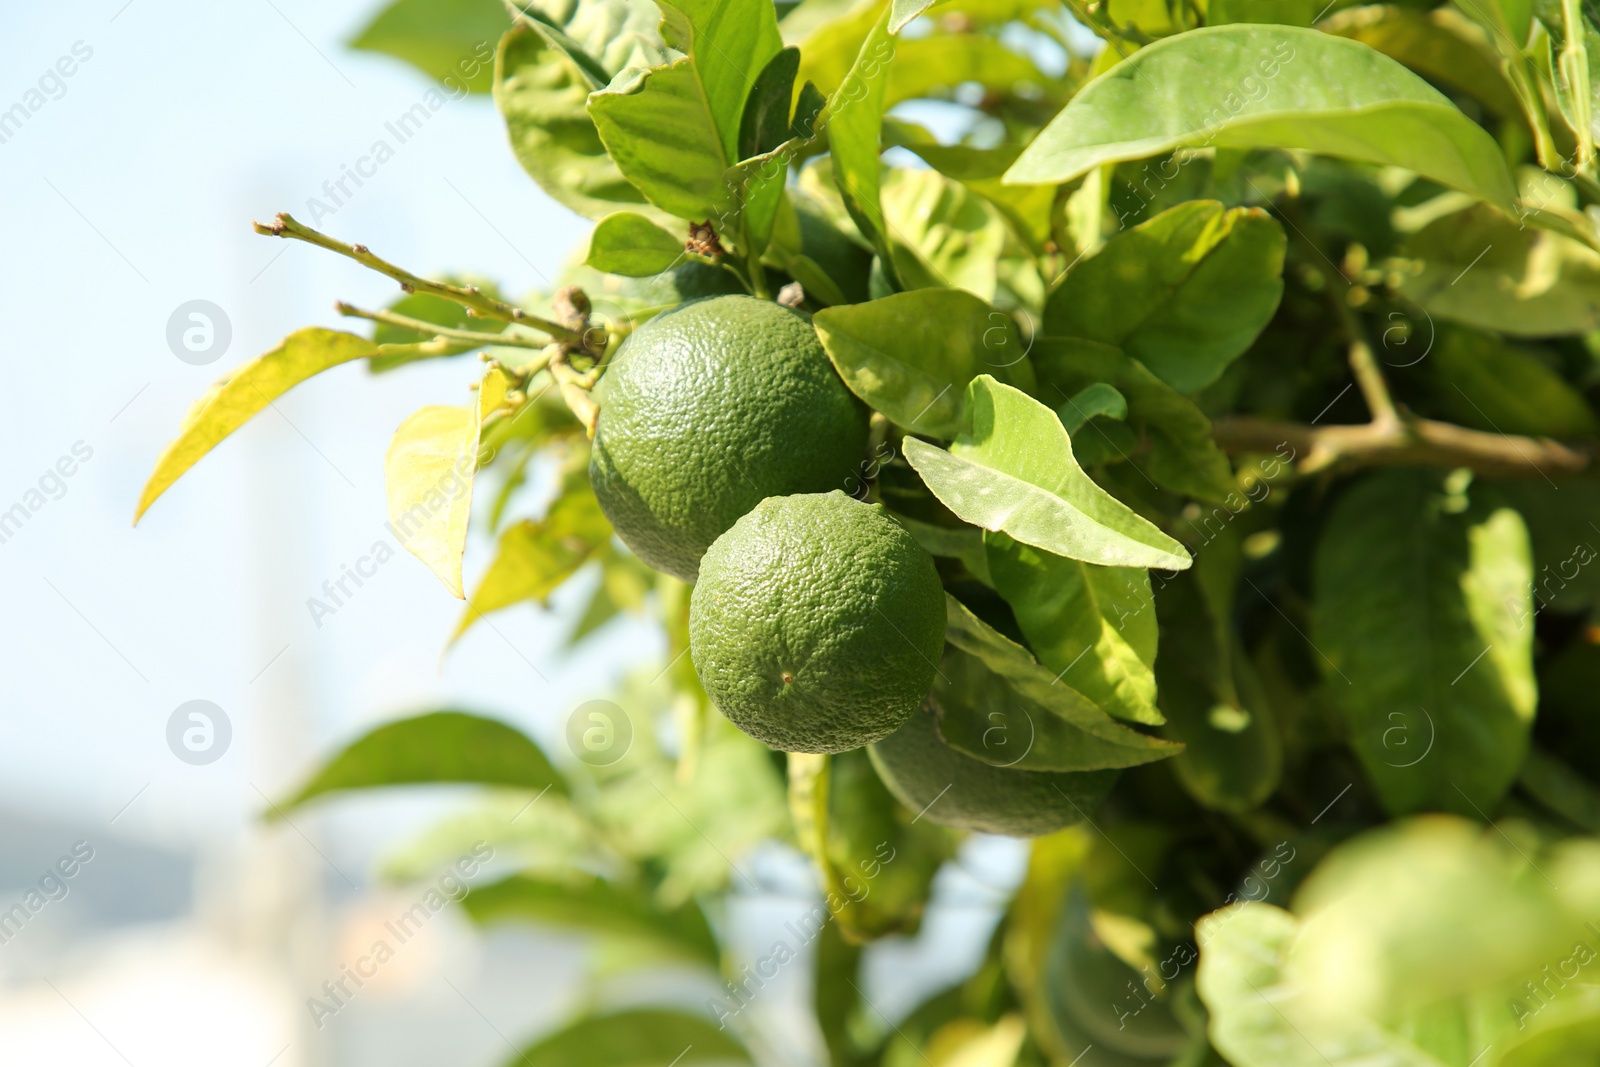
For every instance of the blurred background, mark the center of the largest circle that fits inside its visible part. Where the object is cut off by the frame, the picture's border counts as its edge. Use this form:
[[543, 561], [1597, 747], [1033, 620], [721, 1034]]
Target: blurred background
[[195, 932]]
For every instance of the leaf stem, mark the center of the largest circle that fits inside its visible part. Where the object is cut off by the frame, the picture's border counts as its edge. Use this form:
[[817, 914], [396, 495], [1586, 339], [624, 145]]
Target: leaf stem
[[284, 225], [474, 338], [439, 346]]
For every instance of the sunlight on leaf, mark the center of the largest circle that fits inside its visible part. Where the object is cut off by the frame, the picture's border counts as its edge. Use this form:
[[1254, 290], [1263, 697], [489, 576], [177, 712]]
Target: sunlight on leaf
[[1011, 469], [1249, 86], [231, 402], [441, 746]]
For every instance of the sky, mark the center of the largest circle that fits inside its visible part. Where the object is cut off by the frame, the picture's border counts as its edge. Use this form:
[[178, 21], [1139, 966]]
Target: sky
[[130, 193]]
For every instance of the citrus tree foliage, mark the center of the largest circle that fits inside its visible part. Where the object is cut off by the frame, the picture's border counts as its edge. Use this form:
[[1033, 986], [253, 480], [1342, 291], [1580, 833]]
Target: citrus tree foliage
[[1239, 373]]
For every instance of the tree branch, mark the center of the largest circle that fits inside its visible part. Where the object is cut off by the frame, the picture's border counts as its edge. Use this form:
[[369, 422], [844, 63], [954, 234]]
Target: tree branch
[[1409, 441], [469, 296]]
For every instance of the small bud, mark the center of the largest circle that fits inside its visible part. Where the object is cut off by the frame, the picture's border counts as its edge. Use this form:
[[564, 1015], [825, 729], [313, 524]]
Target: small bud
[[474, 290], [359, 250], [406, 288], [518, 313], [472, 313], [703, 240]]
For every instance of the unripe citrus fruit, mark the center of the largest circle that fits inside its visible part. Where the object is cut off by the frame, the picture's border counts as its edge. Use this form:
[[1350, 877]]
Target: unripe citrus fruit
[[709, 409], [953, 789], [816, 623]]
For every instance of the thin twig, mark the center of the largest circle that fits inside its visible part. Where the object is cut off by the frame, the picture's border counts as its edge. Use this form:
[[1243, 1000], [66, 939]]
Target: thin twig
[[1363, 364], [469, 296], [472, 337]]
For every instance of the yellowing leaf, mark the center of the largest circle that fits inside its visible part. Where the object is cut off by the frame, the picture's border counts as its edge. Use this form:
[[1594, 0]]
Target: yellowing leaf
[[537, 556], [428, 476], [231, 402], [969, 1043]]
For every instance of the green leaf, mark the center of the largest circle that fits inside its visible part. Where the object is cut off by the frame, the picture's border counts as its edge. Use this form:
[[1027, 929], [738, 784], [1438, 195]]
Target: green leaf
[[836, 991], [927, 64], [1511, 20], [991, 683], [632, 246], [1184, 293], [535, 556], [1483, 269], [913, 355], [1562, 524], [877, 865], [1242, 981], [1025, 208], [451, 41], [1453, 924], [640, 1037], [729, 42], [1478, 380], [1574, 76], [659, 129], [440, 746], [604, 37], [234, 398], [1233, 755], [1115, 1000], [1288, 12], [943, 233], [959, 161], [853, 120], [830, 49], [1092, 402], [1095, 626], [1440, 698], [616, 912], [623, 586], [1442, 44], [1011, 469], [964, 543], [542, 93], [903, 11], [757, 186], [765, 124], [691, 834], [1256, 86], [1561, 789], [1182, 456]]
